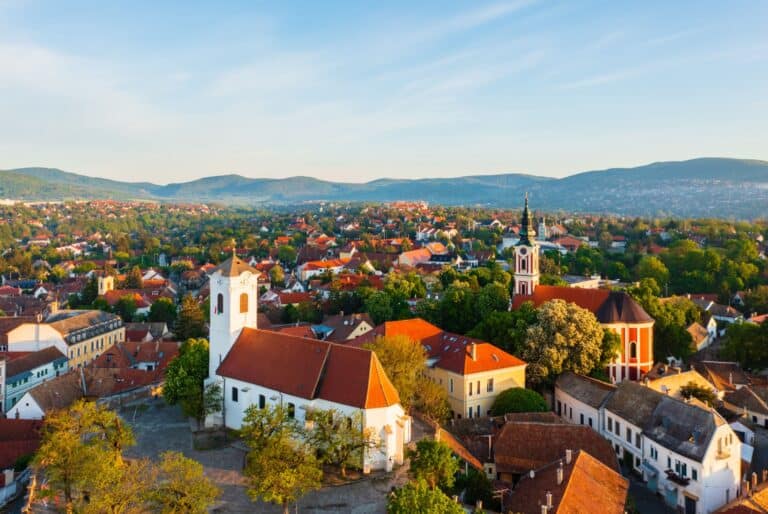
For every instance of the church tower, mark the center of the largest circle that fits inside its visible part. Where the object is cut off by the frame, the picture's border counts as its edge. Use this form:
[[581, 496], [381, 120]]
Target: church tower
[[526, 256], [234, 300]]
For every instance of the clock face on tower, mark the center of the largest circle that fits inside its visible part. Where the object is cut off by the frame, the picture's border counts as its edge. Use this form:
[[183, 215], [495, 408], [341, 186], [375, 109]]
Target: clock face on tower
[[523, 251]]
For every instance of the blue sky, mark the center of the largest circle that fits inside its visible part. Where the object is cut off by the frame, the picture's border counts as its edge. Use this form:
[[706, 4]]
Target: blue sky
[[171, 91]]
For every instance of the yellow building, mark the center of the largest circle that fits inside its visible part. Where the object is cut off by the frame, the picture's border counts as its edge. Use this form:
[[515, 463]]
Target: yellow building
[[473, 372], [81, 335]]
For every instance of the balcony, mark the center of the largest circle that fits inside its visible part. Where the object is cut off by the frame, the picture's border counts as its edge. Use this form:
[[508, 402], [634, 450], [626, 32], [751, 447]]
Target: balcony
[[674, 477]]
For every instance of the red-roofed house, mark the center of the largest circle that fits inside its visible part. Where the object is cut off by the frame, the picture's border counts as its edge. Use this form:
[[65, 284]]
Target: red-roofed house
[[260, 368], [473, 372]]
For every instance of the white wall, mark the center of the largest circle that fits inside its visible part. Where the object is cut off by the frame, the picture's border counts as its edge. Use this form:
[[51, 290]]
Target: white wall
[[26, 408], [572, 409], [33, 337]]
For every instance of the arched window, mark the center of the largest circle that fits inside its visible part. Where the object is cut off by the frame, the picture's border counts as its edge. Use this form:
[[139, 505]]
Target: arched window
[[220, 304], [523, 260], [244, 302], [633, 350]]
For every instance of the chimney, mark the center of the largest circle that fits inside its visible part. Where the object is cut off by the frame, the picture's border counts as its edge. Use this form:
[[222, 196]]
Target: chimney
[[549, 500], [754, 480], [568, 456], [560, 474], [531, 474], [473, 351], [544, 509], [8, 476], [730, 378]]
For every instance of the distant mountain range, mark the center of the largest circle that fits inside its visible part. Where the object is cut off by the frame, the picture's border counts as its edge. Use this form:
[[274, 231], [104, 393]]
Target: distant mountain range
[[706, 187]]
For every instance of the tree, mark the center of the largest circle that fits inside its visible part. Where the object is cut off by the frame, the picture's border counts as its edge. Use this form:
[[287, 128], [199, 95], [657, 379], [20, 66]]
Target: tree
[[181, 486], [340, 440], [184, 380], [417, 498], [403, 361], [700, 392], [652, 267], [432, 400], [90, 291], [474, 486], [565, 338], [190, 322], [286, 254], [379, 306], [433, 462], [282, 472], [518, 399], [492, 298], [508, 329], [277, 275], [126, 308], [134, 279], [262, 427], [163, 310]]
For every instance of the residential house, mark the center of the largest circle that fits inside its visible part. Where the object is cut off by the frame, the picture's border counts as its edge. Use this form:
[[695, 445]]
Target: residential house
[[24, 370], [685, 451], [18, 438], [80, 334], [342, 328], [473, 372], [670, 380], [750, 402], [574, 484]]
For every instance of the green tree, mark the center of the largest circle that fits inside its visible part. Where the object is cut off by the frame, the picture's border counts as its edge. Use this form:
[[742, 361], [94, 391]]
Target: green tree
[[286, 254], [508, 329], [701, 393], [190, 321], [565, 338], [403, 361], [493, 297], [417, 498], [90, 292], [277, 275], [340, 440], [518, 399], [431, 400], [433, 462], [126, 308], [134, 279], [184, 380], [163, 310], [181, 486], [262, 427], [652, 267], [379, 306], [282, 473]]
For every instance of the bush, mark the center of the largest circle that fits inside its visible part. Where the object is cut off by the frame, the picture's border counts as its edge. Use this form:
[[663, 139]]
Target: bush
[[518, 399]]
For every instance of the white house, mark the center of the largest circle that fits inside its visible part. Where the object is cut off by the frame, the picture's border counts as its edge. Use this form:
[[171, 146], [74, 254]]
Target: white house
[[26, 371], [685, 451], [259, 367]]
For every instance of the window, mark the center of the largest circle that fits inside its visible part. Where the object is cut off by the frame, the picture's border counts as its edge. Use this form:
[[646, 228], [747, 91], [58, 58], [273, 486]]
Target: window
[[581, 418], [590, 422], [478, 387], [694, 474], [234, 394], [610, 424], [477, 411], [469, 413], [654, 453], [262, 401], [291, 410], [450, 385], [683, 469], [470, 389], [637, 440], [220, 304], [489, 387], [669, 462], [633, 350], [618, 428], [570, 412], [559, 408], [244, 302], [629, 435]]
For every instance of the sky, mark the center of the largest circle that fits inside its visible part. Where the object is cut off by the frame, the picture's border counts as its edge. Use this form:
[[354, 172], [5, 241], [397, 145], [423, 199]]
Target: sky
[[357, 90]]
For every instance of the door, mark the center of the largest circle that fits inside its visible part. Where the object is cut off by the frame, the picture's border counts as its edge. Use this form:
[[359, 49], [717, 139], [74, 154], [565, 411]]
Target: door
[[690, 506], [653, 482]]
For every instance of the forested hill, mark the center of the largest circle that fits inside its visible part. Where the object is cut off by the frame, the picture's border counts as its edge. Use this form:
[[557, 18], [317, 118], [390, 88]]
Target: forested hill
[[707, 187]]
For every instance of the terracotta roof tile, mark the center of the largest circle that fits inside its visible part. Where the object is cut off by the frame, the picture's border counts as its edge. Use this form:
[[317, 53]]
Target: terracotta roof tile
[[309, 368], [607, 306]]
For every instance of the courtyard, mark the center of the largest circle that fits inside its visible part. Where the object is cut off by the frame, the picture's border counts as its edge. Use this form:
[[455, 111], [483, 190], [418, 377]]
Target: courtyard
[[159, 427]]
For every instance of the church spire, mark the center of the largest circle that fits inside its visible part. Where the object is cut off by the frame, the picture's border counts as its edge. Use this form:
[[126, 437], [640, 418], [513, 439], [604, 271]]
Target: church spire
[[527, 231]]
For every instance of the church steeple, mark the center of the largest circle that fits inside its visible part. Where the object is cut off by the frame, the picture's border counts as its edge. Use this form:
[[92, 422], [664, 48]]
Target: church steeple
[[527, 232], [526, 256]]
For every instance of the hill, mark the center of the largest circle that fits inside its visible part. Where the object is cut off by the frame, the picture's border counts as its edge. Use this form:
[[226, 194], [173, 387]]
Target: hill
[[706, 187]]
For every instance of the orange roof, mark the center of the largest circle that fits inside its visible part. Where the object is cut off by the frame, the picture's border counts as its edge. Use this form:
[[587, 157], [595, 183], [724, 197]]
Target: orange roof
[[608, 306], [588, 486], [453, 352], [309, 368]]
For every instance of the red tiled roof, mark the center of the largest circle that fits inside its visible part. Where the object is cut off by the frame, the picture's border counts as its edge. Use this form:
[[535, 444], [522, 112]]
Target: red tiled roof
[[309, 368], [608, 306], [588, 486], [452, 351]]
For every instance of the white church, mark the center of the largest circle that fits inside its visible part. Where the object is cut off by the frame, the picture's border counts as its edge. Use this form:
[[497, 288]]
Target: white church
[[260, 367]]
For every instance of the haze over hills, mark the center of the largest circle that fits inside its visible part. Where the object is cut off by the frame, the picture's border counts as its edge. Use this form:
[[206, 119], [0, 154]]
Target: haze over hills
[[706, 187]]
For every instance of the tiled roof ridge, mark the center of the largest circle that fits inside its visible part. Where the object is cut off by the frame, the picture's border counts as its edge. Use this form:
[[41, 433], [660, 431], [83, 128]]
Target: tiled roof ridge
[[595, 381], [321, 374]]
